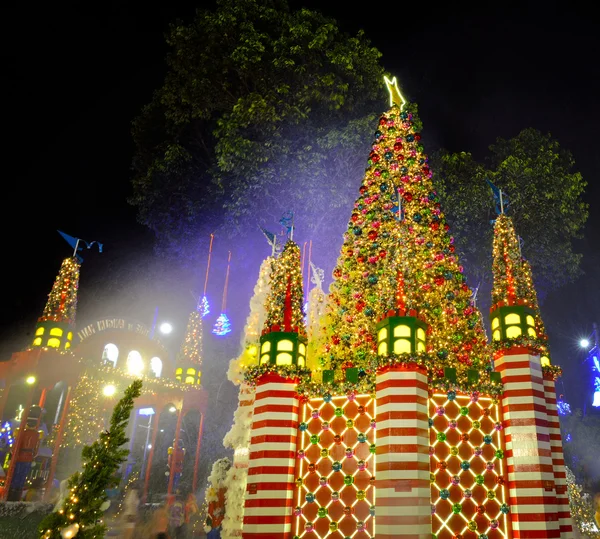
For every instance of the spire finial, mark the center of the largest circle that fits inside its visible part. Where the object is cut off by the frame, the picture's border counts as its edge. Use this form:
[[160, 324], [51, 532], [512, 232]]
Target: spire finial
[[396, 97]]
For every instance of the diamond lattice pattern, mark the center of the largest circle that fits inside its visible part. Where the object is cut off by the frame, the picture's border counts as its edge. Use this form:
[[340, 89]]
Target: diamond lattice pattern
[[468, 492], [335, 493]]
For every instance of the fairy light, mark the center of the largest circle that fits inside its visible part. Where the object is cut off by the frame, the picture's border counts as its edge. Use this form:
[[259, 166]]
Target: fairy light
[[468, 490], [285, 300], [62, 300], [340, 472], [398, 173]]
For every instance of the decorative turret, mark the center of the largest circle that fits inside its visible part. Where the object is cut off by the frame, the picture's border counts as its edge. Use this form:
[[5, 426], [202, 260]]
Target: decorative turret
[[515, 313], [189, 358], [283, 341], [54, 328]]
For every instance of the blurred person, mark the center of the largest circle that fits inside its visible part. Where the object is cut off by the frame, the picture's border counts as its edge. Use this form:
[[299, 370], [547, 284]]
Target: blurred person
[[130, 511], [192, 514], [177, 518], [160, 523]]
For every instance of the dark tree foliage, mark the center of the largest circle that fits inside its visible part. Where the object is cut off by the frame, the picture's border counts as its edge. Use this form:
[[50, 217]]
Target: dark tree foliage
[[263, 110], [546, 205]]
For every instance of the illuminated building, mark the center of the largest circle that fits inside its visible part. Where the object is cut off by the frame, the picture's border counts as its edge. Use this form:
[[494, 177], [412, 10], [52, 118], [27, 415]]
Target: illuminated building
[[411, 422], [73, 375]]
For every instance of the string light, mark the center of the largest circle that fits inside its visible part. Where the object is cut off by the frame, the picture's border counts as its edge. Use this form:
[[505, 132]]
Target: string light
[[62, 300], [336, 466], [398, 215], [191, 347], [285, 299], [222, 325]]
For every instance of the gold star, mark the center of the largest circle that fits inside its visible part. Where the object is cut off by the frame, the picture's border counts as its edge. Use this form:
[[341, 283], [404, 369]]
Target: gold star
[[395, 95]]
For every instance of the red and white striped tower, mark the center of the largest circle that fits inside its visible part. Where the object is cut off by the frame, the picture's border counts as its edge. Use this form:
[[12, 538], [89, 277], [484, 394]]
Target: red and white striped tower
[[532, 497], [402, 437], [272, 452], [558, 461], [234, 510], [270, 486]]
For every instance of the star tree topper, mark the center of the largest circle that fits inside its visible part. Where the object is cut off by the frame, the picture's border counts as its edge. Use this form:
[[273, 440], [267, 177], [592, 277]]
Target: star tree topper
[[396, 97]]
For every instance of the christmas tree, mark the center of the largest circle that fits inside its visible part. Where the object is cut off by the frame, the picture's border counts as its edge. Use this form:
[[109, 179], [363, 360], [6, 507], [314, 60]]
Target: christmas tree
[[509, 286], [62, 300], [582, 508], [85, 413], [398, 213], [254, 323], [513, 279], [80, 513], [284, 303], [191, 347]]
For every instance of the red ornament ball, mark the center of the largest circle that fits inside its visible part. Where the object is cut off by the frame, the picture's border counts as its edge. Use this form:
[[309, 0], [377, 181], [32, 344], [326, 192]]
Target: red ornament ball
[[481, 509], [464, 437]]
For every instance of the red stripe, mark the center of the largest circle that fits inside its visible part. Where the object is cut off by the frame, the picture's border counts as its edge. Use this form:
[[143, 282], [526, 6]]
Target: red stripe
[[269, 502], [271, 454], [266, 393], [401, 431], [274, 486], [267, 519], [285, 408], [399, 414], [271, 470], [262, 535], [279, 423], [272, 438], [397, 399]]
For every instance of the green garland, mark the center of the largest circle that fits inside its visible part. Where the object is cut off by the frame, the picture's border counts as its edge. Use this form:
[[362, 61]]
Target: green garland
[[293, 372], [553, 370], [311, 389], [522, 341]]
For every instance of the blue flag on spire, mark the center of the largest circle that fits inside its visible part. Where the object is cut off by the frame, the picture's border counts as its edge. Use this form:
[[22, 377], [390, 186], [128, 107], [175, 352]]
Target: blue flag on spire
[[77, 244], [502, 202], [287, 221]]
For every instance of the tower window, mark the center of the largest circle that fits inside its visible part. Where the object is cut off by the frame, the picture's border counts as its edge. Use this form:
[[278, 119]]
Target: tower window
[[110, 354], [57, 332]]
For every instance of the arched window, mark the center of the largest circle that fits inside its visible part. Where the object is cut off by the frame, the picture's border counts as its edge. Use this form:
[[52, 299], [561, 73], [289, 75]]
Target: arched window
[[156, 366], [135, 363], [110, 354]]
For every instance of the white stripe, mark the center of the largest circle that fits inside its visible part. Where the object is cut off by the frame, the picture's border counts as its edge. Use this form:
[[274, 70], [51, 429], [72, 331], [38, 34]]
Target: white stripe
[[275, 416], [275, 386], [403, 457], [401, 407], [268, 511], [409, 529], [257, 463], [400, 510], [280, 401], [396, 440], [399, 474], [271, 478], [413, 493], [274, 494], [417, 391], [273, 446], [260, 529], [274, 431]]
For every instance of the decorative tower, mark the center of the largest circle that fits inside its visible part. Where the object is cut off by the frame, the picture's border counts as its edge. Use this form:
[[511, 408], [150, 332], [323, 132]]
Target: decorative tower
[[272, 451], [54, 328], [189, 359], [536, 472], [238, 437]]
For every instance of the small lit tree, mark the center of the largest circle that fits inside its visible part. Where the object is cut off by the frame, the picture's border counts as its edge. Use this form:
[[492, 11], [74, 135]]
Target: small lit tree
[[80, 513]]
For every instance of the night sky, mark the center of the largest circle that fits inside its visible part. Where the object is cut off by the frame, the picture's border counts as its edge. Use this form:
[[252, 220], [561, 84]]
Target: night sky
[[75, 76]]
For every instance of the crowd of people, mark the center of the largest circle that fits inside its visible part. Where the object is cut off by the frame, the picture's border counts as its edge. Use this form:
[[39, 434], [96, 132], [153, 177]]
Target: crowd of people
[[177, 518]]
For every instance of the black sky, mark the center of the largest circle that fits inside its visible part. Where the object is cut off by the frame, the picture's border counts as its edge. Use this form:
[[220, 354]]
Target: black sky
[[75, 75]]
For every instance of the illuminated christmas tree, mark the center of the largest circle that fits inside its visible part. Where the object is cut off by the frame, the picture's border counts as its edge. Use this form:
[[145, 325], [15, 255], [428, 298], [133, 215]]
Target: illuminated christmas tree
[[54, 327], [189, 358], [191, 347], [285, 300], [514, 293], [85, 419], [397, 203], [80, 513]]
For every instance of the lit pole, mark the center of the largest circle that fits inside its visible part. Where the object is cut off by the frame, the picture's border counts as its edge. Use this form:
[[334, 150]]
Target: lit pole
[[147, 444], [590, 347]]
